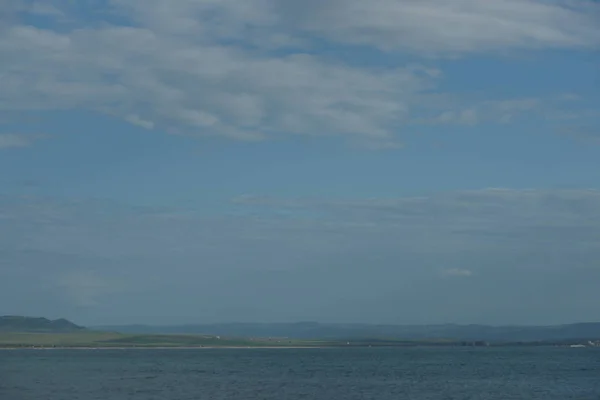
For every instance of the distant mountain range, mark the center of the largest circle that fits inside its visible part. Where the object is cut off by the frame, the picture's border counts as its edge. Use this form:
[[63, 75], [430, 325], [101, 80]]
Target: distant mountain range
[[12, 323], [313, 330]]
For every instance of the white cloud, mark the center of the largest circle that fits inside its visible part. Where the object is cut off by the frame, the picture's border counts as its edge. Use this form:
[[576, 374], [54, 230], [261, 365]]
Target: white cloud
[[199, 88], [137, 120], [495, 111], [459, 26], [423, 26], [380, 144], [585, 134], [8, 140], [11, 140], [457, 272], [249, 70]]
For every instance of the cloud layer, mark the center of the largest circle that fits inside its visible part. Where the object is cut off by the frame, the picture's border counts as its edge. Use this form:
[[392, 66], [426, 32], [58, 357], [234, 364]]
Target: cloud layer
[[431, 26], [368, 72], [263, 68], [492, 256]]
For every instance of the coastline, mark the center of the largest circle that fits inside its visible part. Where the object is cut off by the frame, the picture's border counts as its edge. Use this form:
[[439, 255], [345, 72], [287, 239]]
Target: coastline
[[165, 347]]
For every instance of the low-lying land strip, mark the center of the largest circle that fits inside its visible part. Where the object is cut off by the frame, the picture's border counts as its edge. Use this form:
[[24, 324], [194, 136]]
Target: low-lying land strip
[[93, 339], [107, 340], [27, 332]]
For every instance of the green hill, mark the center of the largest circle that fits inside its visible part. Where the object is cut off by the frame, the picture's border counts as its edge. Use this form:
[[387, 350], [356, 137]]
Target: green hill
[[12, 323]]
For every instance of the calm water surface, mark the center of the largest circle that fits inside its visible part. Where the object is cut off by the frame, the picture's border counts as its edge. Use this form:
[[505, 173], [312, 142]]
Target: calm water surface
[[319, 374]]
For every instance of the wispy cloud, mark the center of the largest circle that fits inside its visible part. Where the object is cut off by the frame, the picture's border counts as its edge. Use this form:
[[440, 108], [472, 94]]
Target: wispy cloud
[[432, 26], [136, 120], [462, 26], [13, 140], [455, 221], [586, 134], [457, 272], [391, 251]]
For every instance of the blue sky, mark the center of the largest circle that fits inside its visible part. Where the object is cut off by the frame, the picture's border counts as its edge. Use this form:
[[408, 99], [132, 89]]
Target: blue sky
[[337, 160]]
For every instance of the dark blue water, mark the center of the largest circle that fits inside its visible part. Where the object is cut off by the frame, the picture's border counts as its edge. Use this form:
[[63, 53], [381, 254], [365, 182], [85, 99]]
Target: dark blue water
[[320, 374]]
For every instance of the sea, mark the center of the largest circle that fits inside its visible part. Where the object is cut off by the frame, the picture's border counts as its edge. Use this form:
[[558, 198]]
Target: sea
[[420, 373]]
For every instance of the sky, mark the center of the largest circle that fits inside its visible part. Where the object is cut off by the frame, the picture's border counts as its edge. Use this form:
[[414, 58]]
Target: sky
[[390, 161]]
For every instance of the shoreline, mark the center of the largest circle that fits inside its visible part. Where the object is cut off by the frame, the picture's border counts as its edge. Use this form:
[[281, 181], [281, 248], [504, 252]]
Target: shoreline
[[165, 347], [269, 347]]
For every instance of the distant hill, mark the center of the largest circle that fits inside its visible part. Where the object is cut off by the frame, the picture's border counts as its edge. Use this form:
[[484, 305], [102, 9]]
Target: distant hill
[[311, 330], [11, 323]]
